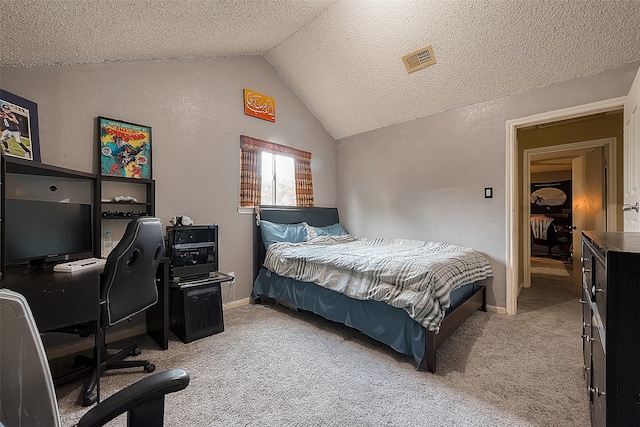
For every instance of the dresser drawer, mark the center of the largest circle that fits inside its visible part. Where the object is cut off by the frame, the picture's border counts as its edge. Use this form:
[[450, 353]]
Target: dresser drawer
[[586, 336], [599, 290], [587, 260], [597, 392]]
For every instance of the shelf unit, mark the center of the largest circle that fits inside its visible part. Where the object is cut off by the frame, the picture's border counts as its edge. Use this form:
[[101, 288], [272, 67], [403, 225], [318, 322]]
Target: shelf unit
[[114, 215], [20, 176], [143, 190], [16, 175]]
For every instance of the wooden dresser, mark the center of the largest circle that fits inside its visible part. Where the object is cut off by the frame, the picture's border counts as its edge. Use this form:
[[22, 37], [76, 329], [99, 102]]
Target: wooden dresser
[[611, 326]]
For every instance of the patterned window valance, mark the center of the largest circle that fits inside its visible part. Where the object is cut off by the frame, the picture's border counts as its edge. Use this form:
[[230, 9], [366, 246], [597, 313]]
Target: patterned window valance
[[254, 144], [250, 179]]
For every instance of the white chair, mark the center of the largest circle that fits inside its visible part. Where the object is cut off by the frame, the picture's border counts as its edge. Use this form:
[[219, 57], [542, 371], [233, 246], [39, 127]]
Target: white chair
[[27, 394]]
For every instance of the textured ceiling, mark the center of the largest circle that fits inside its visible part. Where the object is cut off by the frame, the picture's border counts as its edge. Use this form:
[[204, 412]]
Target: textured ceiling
[[343, 58]]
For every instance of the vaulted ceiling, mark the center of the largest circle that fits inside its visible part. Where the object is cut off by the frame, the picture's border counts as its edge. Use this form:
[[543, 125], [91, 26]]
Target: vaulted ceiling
[[343, 58]]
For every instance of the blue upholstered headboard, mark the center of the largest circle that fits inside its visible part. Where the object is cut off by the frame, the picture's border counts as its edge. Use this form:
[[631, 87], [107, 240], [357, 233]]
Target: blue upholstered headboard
[[317, 216]]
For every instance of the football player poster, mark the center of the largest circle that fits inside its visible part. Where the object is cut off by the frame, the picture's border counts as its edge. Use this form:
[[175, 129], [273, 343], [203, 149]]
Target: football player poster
[[16, 127]]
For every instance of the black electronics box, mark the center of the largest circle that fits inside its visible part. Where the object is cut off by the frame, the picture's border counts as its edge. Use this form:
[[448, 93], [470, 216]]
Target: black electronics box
[[196, 311], [192, 250]]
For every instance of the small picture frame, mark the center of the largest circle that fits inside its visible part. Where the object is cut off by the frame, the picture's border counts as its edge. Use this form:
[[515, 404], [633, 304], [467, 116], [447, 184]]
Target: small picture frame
[[125, 149], [19, 125]]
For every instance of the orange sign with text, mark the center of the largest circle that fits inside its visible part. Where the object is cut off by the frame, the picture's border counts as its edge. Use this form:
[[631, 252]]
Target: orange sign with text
[[259, 105]]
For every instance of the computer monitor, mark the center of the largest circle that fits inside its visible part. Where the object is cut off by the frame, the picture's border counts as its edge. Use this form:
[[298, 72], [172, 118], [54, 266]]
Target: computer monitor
[[40, 231]]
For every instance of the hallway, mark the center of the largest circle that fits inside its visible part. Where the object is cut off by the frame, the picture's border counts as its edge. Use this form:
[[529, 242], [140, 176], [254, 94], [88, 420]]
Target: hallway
[[551, 284]]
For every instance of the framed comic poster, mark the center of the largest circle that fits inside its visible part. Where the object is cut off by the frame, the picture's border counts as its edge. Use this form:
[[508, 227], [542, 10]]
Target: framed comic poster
[[125, 149], [19, 125]]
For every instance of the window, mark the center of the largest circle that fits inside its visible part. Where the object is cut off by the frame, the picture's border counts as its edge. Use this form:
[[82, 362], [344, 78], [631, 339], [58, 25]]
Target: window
[[274, 174], [278, 180]]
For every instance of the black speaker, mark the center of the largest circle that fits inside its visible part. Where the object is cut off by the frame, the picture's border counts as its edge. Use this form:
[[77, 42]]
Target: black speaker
[[196, 311]]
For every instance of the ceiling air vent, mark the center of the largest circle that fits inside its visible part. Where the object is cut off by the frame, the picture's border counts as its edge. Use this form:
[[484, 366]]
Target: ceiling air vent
[[419, 59]]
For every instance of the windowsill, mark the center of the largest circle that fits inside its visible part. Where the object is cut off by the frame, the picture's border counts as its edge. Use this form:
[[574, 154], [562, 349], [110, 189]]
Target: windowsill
[[245, 210]]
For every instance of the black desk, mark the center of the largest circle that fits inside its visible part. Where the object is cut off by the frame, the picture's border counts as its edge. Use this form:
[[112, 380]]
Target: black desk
[[66, 299], [158, 314], [58, 299]]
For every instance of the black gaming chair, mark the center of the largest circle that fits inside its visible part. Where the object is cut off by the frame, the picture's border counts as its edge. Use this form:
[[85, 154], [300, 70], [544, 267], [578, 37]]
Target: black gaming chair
[[127, 287]]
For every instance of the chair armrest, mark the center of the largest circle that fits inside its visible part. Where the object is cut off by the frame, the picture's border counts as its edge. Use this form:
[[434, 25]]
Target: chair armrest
[[150, 388]]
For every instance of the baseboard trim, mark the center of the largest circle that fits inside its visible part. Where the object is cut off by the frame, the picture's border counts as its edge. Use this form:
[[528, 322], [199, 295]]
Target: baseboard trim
[[496, 309], [87, 343], [237, 303]]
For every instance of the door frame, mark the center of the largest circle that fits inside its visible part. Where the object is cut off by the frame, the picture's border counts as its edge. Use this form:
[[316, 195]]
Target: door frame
[[609, 145], [513, 170]]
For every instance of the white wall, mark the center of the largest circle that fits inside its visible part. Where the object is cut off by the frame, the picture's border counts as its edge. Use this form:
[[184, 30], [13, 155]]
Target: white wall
[[422, 179], [195, 110], [425, 179]]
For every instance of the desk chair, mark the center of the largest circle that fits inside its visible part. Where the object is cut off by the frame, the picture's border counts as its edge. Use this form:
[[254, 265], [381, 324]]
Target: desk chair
[[27, 394], [550, 239], [127, 287]]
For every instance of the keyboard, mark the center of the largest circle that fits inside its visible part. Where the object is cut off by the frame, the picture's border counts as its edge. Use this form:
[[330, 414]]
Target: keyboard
[[78, 265], [187, 282]]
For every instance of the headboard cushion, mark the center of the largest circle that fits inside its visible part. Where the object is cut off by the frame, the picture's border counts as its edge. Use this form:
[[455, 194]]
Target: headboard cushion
[[319, 217], [315, 216]]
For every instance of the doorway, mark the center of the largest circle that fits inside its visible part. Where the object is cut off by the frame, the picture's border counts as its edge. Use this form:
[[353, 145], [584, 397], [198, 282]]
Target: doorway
[[514, 211], [585, 174]]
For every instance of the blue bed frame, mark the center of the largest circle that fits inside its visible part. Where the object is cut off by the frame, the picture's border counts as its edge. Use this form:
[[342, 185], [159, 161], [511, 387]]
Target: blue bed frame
[[370, 317]]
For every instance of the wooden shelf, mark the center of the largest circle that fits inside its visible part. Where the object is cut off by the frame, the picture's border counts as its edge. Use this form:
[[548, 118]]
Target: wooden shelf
[[109, 187]]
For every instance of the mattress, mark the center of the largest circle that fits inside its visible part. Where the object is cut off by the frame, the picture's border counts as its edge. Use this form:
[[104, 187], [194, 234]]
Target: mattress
[[414, 275]]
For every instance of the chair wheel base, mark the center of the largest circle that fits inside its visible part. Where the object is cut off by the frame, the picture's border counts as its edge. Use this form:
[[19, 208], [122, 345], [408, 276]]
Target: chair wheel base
[[135, 352], [89, 400], [149, 368]]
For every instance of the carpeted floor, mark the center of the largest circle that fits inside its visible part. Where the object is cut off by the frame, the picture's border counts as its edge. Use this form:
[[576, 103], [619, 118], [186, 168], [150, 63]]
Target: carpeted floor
[[276, 367], [549, 267]]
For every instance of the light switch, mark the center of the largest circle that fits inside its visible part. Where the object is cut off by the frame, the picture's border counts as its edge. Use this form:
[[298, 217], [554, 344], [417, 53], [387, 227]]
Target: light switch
[[488, 192]]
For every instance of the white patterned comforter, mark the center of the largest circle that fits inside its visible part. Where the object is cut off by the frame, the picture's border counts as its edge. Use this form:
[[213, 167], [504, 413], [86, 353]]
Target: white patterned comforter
[[412, 275]]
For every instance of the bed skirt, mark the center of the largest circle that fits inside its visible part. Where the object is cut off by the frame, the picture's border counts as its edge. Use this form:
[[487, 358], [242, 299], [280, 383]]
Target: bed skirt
[[380, 321]]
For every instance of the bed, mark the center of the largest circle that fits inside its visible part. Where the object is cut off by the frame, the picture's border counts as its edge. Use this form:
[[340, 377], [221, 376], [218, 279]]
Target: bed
[[408, 322]]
